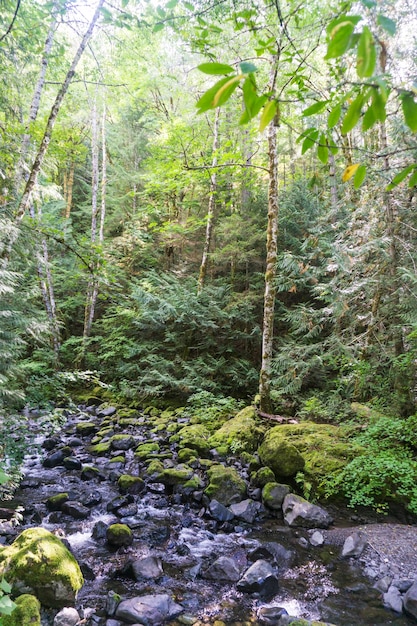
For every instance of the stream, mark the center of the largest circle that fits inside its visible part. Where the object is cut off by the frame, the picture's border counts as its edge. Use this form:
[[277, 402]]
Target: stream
[[177, 541]]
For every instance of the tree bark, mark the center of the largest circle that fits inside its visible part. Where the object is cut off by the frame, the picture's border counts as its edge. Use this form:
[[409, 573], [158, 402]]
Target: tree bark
[[31, 182], [211, 205]]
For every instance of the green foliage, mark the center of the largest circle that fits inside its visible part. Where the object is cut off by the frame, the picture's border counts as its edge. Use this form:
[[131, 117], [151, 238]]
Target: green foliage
[[206, 406], [387, 471], [201, 340], [7, 605]]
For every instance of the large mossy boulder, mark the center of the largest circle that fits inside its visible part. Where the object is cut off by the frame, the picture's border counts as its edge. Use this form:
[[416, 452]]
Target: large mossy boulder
[[26, 613], [38, 562], [195, 437], [225, 485], [241, 433], [325, 449], [282, 457]]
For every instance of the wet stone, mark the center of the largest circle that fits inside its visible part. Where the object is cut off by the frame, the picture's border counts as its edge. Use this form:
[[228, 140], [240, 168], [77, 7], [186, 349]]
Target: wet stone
[[220, 512], [71, 463], [259, 578], [91, 499], [75, 510], [150, 610]]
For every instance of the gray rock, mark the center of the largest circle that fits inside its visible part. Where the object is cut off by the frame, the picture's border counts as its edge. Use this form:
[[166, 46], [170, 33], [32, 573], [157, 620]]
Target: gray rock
[[67, 617], [393, 600], [383, 584], [148, 610], [75, 509], [246, 510], [317, 538], [220, 512], [71, 463], [299, 512], [273, 495], [271, 614], [148, 567], [354, 545], [123, 444], [107, 412], [259, 578], [223, 569], [55, 459], [410, 600], [113, 622]]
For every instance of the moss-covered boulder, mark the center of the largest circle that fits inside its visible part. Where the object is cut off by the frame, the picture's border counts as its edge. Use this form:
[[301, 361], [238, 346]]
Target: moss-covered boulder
[[186, 454], [225, 485], [262, 476], [281, 456], [146, 450], [195, 437], [122, 442], [100, 449], [26, 613], [176, 476], [119, 535], [155, 469], [325, 449], [38, 562], [273, 495], [240, 433], [84, 429], [54, 503], [131, 484]]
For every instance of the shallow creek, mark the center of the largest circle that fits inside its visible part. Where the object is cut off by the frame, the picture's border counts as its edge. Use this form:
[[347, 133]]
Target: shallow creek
[[177, 529]]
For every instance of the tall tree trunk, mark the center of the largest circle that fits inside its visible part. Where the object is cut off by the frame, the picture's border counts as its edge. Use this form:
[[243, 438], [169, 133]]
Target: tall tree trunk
[[37, 164], [68, 189], [211, 205], [270, 274]]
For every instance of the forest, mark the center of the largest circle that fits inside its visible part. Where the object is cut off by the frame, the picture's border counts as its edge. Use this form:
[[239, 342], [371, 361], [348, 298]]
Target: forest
[[211, 205]]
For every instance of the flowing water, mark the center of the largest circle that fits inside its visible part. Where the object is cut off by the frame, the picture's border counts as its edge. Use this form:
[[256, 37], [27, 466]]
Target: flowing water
[[176, 528]]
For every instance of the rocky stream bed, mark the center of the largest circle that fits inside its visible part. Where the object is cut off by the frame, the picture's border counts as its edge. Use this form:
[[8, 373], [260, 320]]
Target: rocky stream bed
[[168, 533]]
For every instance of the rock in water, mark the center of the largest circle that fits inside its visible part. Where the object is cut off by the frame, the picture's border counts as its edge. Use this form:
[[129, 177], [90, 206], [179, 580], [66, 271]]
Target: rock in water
[[410, 600], [299, 512], [38, 561], [150, 610], [259, 578]]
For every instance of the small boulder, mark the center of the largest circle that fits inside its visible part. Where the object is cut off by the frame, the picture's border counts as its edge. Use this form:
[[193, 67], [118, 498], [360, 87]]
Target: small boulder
[[75, 509], [225, 486], [149, 610], [300, 513], [354, 545], [246, 510], [119, 535], [220, 512], [393, 599], [273, 495], [131, 484], [224, 569], [259, 578], [148, 567], [317, 539], [68, 616], [410, 600]]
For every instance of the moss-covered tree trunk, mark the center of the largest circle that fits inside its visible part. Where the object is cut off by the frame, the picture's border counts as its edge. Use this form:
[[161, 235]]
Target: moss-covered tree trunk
[[270, 274]]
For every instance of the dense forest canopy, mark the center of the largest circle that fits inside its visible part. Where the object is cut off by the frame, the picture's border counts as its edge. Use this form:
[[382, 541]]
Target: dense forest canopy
[[149, 153]]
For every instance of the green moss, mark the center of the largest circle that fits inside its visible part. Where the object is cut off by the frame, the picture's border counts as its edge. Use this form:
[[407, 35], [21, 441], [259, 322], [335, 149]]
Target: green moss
[[155, 468], [186, 454], [176, 476], [240, 433], [55, 502], [130, 484], [26, 613], [324, 447], [282, 457], [193, 483], [225, 484], [100, 448], [195, 437], [145, 450], [273, 495], [118, 459], [119, 535], [39, 561], [173, 427], [128, 421], [263, 476], [128, 413], [86, 428]]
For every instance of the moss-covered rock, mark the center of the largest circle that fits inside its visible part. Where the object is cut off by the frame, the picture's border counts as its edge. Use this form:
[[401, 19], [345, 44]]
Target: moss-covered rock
[[262, 476], [240, 433], [54, 503], [119, 535], [86, 428], [89, 472], [155, 468], [122, 442], [225, 485], [281, 456], [195, 437], [146, 450], [39, 563], [273, 495], [26, 613], [131, 484], [186, 454], [176, 476], [324, 447], [118, 459], [100, 449]]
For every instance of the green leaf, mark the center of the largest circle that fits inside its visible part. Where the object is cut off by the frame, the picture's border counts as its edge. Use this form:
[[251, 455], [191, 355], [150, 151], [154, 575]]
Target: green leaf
[[171, 4], [369, 118], [340, 33], [317, 107], [206, 101], [226, 90], [247, 68], [309, 141], [366, 54], [413, 180], [253, 102], [379, 100], [410, 111], [158, 26], [7, 606], [323, 150], [359, 176], [369, 4], [334, 116], [352, 115], [5, 586], [215, 69], [189, 6], [387, 24], [268, 114], [400, 177]]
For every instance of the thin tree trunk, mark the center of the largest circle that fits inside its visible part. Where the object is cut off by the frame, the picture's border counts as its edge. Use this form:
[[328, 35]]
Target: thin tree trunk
[[68, 189], [271, 260], [25, 200], [211, 205], [333, 184]]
